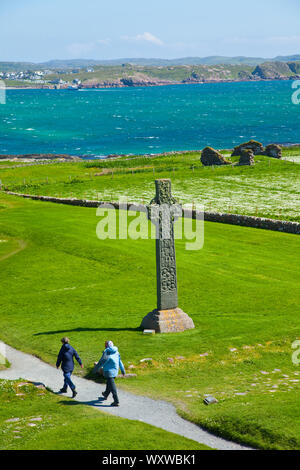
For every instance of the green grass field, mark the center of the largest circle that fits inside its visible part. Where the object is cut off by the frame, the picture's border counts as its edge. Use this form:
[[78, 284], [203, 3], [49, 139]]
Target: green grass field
[[9, 163], [35, 419], [270, 189], [242, 291]]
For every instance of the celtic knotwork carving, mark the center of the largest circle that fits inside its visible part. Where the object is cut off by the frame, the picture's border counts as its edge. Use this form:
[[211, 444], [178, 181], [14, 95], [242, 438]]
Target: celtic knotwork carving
[[163, 193], [167, 253], [168, 279]]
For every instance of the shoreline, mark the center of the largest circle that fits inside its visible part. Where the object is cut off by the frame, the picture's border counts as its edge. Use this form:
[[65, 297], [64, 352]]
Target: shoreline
[[73, 158], [147, 84]]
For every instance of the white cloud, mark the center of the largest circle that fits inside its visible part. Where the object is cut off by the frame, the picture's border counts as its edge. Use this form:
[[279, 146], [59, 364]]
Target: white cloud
[[293, 40], [78, 49], [148, 37], [263, 40], [104, 42]]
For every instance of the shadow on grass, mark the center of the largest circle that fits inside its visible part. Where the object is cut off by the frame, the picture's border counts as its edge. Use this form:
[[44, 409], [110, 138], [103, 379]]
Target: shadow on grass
[[79, 330], [95, 403]]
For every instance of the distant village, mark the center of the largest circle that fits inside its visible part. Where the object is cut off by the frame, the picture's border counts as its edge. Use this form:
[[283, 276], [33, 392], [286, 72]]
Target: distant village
[[42, 77]]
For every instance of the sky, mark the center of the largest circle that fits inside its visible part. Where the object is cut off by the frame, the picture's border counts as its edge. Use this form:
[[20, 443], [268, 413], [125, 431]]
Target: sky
[[41, 30]]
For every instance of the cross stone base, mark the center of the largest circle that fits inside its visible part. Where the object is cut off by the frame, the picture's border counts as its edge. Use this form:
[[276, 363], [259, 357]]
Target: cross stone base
[[167, 321]]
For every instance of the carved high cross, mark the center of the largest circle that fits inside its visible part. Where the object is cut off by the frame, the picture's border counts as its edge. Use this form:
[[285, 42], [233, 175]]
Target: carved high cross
[[163, 211]]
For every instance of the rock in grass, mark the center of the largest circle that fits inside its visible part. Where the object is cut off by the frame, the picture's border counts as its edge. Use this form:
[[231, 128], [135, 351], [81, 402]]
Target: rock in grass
[[211, 157], [256, 147], [146, 359], [274, 151], [149, 332], [39, 385], [210, 400], [247, 157], [127, 376]]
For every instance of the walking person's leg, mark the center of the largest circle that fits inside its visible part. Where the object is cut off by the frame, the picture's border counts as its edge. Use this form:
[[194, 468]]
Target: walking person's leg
[[114, 391], [70, 383], [107, 390], [64, 389]]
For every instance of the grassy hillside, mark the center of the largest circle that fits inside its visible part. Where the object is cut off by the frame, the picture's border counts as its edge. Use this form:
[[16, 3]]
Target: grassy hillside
[[269, 189], [212, 70], [20, 84], [35, 419], [180, 73], [242, 291], [274, 70], [169, 73]]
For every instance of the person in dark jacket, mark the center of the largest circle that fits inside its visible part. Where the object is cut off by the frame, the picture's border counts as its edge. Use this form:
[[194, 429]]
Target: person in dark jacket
[[66, 360], [111, 362]]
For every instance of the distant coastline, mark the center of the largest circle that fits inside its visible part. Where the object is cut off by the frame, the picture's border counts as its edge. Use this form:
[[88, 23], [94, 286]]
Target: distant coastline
[[147, 84], [129, 75]]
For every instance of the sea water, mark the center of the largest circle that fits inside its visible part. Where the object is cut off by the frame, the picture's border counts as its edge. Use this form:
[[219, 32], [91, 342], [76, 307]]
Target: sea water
[[148, 119]]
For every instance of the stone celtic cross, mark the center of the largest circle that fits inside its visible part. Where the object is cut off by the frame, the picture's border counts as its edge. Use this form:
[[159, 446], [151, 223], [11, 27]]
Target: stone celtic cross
[[163, 211]]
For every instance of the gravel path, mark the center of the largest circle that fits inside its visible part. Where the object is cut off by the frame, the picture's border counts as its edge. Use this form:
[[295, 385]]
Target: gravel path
[[155, 412]]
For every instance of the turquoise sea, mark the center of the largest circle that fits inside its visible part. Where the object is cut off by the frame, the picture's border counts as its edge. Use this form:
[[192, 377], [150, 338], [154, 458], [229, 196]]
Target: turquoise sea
[[148, 120]]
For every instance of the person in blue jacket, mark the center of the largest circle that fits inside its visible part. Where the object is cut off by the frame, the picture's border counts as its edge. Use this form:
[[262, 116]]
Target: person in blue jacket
[[98, 366], [66, 360], [111, 363]]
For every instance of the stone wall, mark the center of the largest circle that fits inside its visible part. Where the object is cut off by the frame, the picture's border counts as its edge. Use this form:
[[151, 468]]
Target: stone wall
[[232, 219], [251, 221]]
